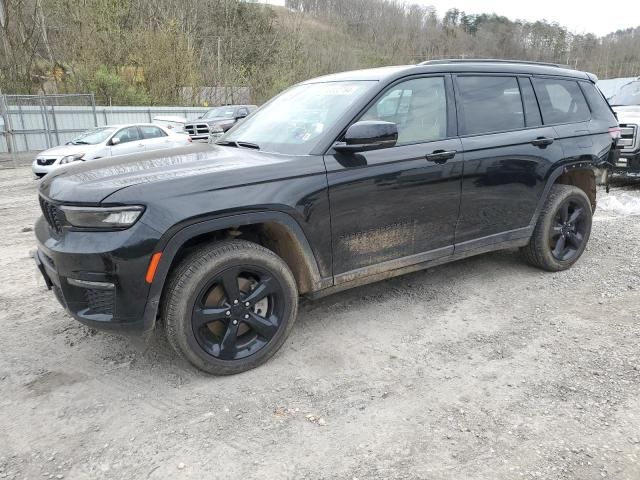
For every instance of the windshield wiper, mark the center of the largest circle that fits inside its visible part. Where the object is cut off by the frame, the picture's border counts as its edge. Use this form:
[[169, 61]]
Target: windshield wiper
[[231, 143], [255, 146], [227, 143]]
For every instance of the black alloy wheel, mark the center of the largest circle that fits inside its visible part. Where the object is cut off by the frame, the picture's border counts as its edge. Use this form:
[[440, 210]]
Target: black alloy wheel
[[569, 229], [238, 312]]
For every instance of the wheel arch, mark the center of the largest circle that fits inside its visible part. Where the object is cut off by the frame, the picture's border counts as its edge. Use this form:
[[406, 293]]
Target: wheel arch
[[579, 174], [277, 231]]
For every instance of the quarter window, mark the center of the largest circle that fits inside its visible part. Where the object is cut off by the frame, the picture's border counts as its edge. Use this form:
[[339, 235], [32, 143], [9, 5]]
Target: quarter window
[[151, 132], [418, 107], [489, 104], [561, 101]]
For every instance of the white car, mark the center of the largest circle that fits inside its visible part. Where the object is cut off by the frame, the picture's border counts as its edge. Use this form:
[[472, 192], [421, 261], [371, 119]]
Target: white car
[[108, 141]]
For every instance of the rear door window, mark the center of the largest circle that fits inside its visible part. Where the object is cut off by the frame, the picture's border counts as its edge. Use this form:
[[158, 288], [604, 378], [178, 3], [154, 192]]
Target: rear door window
[[561, 101], [149, 131], [531, 110], [488, 104]]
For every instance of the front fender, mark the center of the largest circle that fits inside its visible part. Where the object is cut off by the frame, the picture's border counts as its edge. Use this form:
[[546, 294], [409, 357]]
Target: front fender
[[171, 243]]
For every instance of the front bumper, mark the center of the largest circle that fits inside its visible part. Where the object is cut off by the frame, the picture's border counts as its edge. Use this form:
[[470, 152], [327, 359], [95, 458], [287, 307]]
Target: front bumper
[[40, 170], [98, 277], [628, 164]]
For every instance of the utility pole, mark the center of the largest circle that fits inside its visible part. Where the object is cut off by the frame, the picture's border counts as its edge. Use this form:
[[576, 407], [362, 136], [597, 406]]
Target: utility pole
[[219, 59]]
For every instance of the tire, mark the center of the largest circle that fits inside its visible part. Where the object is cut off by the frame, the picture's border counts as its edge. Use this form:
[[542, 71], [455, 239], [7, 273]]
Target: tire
[[559, 239], [206, 327]]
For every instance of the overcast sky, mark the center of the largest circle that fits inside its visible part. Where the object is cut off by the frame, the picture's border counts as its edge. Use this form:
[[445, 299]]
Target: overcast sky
[[586, 16]]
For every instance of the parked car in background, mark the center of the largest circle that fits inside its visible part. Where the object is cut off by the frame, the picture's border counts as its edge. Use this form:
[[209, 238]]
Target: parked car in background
[[626, 104], [108, 141], [170, 122], [217, 121]]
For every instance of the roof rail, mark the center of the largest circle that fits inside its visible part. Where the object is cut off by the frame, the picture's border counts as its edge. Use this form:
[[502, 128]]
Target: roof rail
[[491, 60]]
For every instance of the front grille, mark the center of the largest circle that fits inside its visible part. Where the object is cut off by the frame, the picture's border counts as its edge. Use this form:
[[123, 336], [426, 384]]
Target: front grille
[[52, 215], [197, 129], [628, 138], [46, 161], [99, 301]]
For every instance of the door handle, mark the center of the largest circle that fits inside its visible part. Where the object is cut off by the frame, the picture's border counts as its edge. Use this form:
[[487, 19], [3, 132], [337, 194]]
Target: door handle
[[542, 142], [440, 156]]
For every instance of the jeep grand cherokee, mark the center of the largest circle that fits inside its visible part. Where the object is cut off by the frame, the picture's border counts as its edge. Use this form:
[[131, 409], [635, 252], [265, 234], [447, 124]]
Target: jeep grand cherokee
[[338, 181]]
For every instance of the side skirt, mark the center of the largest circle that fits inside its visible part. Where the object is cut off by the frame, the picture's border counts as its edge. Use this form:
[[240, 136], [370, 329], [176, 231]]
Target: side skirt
[[414, 263]]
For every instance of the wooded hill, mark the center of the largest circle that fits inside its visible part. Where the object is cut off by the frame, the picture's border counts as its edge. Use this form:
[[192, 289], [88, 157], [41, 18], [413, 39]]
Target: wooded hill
[[146, 51]]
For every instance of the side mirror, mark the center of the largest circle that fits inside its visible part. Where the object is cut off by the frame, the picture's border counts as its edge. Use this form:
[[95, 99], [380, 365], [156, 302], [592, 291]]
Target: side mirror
[[115, 141], [368, 135], [242, 115]]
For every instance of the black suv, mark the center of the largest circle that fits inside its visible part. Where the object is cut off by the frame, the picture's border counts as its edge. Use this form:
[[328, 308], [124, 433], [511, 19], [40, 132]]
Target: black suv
[[337, 182]]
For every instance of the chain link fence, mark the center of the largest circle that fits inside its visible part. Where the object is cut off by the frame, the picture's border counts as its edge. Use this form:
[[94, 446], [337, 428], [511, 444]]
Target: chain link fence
[[32, 123]]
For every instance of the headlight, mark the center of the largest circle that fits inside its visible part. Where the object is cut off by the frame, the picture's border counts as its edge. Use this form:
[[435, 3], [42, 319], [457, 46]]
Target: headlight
[[71, 158], [102, 217]]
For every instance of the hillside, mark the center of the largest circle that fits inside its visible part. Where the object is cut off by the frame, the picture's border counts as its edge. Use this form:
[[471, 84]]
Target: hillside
[[145, 52]]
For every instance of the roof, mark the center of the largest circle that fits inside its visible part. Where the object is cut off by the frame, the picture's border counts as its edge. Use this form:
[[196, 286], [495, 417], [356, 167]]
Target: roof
[[445, 66]]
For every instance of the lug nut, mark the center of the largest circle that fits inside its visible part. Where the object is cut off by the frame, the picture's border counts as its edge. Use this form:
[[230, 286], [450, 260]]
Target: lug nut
[[247, 304], [246, 316], [235, 322], [235, 302], [227, 313]]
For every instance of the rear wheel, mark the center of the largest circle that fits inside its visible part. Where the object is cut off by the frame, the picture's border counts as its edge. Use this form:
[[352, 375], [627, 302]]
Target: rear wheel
[[230, 306], [562, 231]]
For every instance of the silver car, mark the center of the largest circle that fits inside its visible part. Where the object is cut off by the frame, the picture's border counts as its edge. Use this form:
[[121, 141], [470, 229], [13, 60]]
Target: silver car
[[108, 141]]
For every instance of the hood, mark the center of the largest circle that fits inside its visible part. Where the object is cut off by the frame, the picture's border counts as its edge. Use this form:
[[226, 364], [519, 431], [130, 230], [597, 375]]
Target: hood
[[628, 113], [93, 181], [211, 120], [64, 150]]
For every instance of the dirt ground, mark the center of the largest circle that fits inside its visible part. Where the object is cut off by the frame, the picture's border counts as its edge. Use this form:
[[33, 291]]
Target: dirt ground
[[482, 369]]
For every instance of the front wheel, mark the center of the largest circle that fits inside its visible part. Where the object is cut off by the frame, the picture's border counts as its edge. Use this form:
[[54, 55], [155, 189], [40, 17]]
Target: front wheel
[[562, 231], [230, 306]]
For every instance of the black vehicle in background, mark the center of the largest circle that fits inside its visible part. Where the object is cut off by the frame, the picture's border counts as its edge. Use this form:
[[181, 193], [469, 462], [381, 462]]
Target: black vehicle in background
[[339, 181], [217, 121]]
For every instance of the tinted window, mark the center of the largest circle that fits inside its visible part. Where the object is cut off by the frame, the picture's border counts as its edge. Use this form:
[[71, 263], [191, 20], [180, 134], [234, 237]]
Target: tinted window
[[561, 101], [599, 106], [531, 110], [489, 104], [151, 132], [128, 134], [418, 107]]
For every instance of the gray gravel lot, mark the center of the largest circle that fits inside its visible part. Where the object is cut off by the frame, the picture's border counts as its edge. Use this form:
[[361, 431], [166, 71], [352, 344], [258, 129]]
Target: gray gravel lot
[[482, 369]]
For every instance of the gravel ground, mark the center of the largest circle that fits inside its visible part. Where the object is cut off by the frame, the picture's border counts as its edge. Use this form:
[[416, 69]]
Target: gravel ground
[[482, 369]]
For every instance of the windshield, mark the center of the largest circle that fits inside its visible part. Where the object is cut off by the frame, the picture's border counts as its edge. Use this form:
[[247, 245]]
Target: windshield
[[220, 112], [294, 121], [628, 95], [93, 137]]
